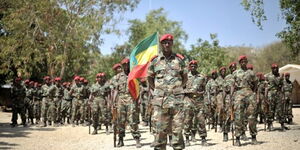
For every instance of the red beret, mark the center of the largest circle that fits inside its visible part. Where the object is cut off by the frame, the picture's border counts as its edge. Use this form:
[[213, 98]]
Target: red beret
[[116, 66], [214, 71], [31, 83], [193, 62], [231, 64], [46, 78], [222, 68], [287, 74], [274, 66], [249, 66], [18, 79], [98, 75], [85, 81], [26, 81], [124, 61], [242, 57], [259, 74], [57, 79], [76, 78], [81, 79], [65, 83], [166, 37]]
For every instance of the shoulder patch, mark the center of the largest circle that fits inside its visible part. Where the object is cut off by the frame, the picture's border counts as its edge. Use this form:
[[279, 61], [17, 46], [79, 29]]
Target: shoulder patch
[[153, 58], [180, 56]]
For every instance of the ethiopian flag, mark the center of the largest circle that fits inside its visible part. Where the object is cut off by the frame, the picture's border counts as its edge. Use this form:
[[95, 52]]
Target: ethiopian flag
[[139, 61]]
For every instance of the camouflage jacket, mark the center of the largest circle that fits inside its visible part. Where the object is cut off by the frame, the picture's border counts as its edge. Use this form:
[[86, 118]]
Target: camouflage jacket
[[211, 88], [120, 83], [18, 94], [168, 76], [99, 91], [274, 83], [229, 80], [287, 89], [244, 79], [77, 91], [221, 84], [48, 91], [195, 88]]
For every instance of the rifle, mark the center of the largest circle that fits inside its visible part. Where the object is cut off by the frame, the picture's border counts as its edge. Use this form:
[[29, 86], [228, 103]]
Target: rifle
[[114, 94]]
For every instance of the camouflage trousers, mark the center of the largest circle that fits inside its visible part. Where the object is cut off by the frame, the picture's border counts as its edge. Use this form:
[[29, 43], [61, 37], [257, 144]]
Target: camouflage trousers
[[37, 110], [220, 112], [275, 107], [57, 109], [48, 112], [169, 119], [288, 108], [100, 113], [29, 108], [241, 99], [66, 106], [15, 112], [128, 112], [226, 114], [251, 114], [144, 115], [78, 110]]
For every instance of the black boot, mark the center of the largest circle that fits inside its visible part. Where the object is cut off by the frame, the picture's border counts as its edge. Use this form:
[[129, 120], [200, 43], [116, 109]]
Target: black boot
[[237, 141], [170, 140], [244, 137], [290, 120], [106, 130], [254, 141], [138, 143], [187, 141], [120, 143], [283, 127], [203, 141], [225, 137], [193, 136], [95, 131]]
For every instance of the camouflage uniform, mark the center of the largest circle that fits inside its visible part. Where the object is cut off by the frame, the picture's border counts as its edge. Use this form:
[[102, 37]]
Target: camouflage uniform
[[66, 105], [220, 100], [29, 103], [99, 104], [48, 113], [287, 90], [144, 102], [37, 103], [263, 105], [78, 106], [229, 80], [274, 88], [127, 107], [168, 99], [59, 92], [211, 92], [194, 106], [18, 94], [244, 99]]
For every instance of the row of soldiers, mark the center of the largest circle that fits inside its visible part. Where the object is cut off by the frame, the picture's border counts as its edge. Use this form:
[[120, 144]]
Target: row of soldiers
[[174, 99]]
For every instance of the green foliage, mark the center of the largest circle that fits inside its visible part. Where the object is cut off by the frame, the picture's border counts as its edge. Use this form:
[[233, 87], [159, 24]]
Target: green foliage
[[209, 54], [290, 12], [156, 21], [56, 37]]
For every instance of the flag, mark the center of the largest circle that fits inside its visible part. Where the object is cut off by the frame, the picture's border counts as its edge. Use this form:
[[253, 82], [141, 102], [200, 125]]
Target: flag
[[139, 61]]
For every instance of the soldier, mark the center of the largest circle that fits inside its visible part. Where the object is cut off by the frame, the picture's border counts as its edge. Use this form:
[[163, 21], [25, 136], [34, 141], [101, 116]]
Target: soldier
[[274, 95], [127, 107], [220, 97], [211, 91], [194, 105], [144, 101], [228, 101], [245, 80], [37, 97], [66, 104], [29, 100], [99, 91], [287, 91], [58, 100], [48, 93], [167, 75], [18, 94], [77, 91], [263, 105]]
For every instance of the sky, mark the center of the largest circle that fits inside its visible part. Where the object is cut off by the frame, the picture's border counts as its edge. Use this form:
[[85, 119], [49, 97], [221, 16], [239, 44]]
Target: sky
[[199, 18]]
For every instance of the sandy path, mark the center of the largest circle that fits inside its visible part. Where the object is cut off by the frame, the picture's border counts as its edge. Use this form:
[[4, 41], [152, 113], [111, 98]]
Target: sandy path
[[77, 138]]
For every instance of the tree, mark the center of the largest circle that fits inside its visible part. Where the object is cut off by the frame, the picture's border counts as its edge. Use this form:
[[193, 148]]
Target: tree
[[290, 12], [56, 37], [156, 21], [209, 54]]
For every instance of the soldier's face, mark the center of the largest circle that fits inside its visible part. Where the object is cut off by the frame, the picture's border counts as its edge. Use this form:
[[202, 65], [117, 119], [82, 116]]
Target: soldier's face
[[233, 68], [223, 71], [287, 77], [244, 63], [214, 75], [125, 66], [275, 70], [167, 45], [119, 69], [193, 67]]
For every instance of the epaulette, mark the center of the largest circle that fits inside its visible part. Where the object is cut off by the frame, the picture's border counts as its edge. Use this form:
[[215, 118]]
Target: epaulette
[[180, 56], [153, 58]]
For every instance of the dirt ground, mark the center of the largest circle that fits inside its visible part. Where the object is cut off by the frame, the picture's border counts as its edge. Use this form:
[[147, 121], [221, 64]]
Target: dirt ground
[[77, 138]]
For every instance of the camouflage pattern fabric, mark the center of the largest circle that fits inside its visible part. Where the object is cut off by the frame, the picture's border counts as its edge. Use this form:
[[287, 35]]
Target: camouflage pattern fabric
[[168, 100], [287, 91], [211, 92], [18, 94]]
